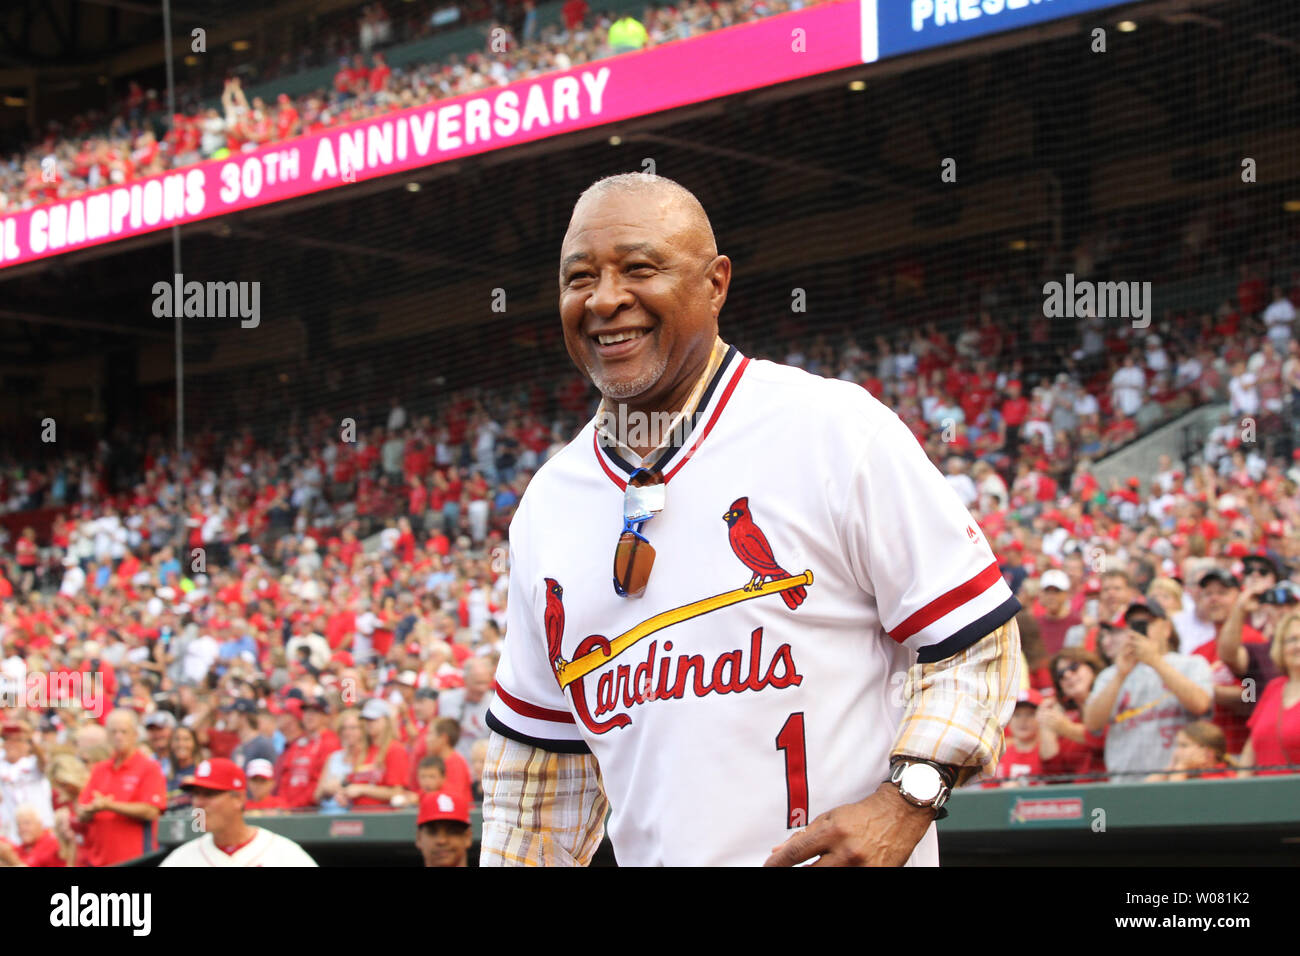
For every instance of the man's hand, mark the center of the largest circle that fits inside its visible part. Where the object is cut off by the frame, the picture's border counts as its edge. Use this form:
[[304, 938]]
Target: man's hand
[[881, 830]]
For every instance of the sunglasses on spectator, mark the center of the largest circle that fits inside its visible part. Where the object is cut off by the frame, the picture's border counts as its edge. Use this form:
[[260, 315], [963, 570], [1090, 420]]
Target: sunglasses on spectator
[[1263, 570], [634, 557], [1069, 668]]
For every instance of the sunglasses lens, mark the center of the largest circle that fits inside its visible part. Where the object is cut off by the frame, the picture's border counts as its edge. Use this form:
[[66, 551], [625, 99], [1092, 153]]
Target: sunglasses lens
[[633, 560]]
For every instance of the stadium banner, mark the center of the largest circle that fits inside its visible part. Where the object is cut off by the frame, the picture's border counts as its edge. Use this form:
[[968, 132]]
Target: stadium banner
[[774, 50], [895, 27]]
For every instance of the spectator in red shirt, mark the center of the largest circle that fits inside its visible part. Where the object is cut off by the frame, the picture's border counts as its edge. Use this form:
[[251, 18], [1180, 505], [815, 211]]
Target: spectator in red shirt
[[1053, 612], [574, 13], [1220, 591], [1021, 758], [123, 798], [1275, 724], [1066, 746], [379, 74], [286, 118], [38, 845], [261, 781], [1015, 409], [440, 741], [303, 759], [384, 768], [344, 79]]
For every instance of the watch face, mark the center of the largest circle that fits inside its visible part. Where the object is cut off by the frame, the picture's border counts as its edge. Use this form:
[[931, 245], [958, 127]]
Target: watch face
[[921, 781]]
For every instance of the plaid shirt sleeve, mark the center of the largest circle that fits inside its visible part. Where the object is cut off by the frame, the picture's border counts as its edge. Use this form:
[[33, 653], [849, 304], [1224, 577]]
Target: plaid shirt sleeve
[[955, 709], [540, 808]]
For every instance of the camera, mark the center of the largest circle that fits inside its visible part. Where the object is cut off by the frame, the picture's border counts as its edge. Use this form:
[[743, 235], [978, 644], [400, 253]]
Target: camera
[[1284, 593], [1140, 625]]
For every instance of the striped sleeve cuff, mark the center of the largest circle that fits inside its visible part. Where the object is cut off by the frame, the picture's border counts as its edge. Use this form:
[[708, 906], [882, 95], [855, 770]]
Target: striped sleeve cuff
[[959, 617], [534, 725]]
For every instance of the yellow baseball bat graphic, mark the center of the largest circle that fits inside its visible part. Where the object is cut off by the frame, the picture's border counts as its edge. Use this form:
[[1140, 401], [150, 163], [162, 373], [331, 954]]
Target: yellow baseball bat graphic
[[584, 665]]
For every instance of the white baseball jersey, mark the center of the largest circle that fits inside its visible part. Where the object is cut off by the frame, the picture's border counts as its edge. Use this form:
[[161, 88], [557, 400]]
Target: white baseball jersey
[[265, 849], [22, 783], [807, 553]]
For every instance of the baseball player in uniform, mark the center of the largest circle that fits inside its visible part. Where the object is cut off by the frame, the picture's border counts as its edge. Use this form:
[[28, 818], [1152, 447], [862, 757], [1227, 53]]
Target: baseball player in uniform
[[747, 615], [228, 841]]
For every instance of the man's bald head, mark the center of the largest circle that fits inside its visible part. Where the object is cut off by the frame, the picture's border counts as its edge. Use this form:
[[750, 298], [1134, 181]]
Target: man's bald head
[[666, 193], [641, 287]]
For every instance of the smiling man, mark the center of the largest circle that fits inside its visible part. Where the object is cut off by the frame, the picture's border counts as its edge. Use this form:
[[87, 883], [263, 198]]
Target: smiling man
[[747, 615]]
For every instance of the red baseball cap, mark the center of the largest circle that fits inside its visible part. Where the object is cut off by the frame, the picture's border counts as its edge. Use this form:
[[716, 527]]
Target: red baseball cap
[[1030, 697], [441, 805], [13, 728], [217, 773]]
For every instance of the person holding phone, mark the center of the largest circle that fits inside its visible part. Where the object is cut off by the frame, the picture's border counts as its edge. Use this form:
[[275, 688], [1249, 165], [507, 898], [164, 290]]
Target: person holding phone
[[1148, 694]]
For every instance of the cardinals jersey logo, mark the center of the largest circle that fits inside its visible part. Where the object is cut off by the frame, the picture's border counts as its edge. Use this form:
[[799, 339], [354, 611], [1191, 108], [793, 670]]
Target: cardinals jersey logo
[[553, 623], [750, 545], [728, 674]]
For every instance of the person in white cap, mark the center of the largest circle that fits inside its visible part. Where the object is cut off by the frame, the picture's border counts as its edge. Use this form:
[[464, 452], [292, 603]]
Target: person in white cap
[[228, 840], [261, 783], [1053, 610]]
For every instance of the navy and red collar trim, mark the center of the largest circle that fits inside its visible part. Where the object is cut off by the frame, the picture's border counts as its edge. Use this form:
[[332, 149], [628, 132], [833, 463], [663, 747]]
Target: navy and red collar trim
[[694, 429]]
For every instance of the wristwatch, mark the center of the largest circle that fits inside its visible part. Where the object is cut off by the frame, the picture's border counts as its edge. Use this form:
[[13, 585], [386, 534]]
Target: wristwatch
[[921, 783]]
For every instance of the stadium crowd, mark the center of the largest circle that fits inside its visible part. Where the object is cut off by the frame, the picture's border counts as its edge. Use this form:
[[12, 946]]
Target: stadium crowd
[[334, 622], [139, 140]]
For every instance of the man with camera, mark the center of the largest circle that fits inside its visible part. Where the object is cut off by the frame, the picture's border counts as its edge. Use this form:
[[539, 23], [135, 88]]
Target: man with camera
[[1246, 635], [1223, 599], [1150, 692]]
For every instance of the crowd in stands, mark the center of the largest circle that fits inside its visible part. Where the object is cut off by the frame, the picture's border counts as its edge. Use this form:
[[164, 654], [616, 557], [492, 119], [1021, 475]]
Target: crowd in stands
[[140, 140], [335, 618]]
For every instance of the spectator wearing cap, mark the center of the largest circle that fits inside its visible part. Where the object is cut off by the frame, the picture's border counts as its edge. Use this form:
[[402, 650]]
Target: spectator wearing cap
[[384, 768], [1052, 610], [37, 845], [1220, 593], [442, 831], [217, 789], [1150, 691], [261, 783], [1199, 754], [123, 798], [440, 741], [1066, 746], [1021, 757], [22, 778], [351, 753], [303, 760], [401, 688], [1252, 660], [1275, 724]]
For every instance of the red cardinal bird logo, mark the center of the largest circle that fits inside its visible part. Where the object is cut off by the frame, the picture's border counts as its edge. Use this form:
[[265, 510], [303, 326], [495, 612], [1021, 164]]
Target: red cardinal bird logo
[[554, 622], [750, 545]]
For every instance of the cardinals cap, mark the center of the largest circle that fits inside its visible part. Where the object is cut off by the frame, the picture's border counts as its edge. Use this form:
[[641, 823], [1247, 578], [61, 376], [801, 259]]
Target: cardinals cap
[[440, 805], [216, 774]]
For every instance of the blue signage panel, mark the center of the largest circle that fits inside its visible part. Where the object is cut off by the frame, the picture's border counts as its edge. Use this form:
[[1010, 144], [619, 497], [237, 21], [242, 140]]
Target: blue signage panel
[[895, 27]]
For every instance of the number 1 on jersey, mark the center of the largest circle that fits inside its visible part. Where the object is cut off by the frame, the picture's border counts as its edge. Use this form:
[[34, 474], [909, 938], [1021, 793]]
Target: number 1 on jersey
[[791, 740]]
